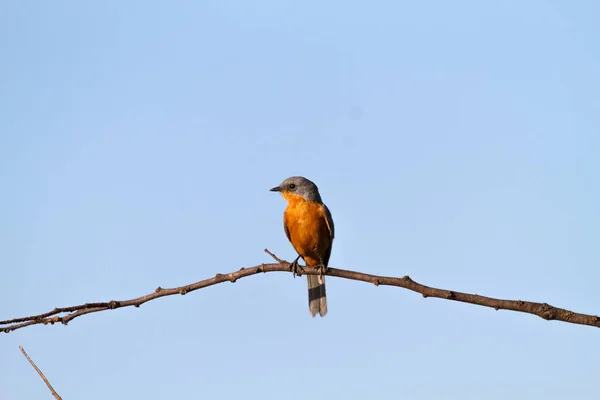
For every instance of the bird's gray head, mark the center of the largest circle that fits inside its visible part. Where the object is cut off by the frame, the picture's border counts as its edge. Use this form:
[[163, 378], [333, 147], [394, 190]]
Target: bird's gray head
[[298, 186]]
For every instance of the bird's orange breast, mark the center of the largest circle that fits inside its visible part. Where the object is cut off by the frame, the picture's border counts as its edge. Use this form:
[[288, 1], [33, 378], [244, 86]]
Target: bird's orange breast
[[307, 226]]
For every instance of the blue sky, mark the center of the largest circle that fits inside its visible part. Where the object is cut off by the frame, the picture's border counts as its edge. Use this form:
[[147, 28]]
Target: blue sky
[[456, 142]]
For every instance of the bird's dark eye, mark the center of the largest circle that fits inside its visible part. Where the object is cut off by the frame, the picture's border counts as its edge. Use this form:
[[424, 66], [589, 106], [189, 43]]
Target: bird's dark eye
[[292, 186]]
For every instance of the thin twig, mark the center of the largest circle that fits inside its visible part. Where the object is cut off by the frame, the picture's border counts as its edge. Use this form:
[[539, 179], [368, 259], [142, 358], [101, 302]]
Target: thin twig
[[56, 396], [542, 310], [279, 260]]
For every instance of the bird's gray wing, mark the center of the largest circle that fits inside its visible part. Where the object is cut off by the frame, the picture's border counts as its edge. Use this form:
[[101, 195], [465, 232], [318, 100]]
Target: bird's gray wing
[[331, 228]]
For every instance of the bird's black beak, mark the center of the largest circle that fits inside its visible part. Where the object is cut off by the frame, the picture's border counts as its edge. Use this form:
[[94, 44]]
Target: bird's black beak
[[275, 189]]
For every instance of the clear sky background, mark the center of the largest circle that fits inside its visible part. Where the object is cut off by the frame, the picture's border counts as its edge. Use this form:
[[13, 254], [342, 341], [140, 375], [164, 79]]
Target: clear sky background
[[456, 142]]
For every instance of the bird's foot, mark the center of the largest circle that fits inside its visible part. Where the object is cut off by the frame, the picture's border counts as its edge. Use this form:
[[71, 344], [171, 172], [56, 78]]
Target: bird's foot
[[296, 268], [321, 269]]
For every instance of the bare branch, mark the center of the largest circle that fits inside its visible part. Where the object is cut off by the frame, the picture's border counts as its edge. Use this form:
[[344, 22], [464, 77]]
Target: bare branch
[[542, 310], [56, 396]]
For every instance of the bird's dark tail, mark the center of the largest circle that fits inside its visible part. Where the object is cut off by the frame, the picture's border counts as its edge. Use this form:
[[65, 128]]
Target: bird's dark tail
[[317, 300]]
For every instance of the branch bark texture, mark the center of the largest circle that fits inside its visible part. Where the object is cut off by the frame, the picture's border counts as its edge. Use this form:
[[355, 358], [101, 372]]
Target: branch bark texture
[[64, 315]]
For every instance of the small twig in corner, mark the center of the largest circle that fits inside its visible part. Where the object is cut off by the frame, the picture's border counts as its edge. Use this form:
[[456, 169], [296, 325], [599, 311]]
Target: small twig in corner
[[56, 396]]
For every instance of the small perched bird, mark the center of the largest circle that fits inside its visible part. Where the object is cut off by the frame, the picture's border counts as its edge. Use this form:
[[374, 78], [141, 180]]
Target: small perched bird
[[309, 227]]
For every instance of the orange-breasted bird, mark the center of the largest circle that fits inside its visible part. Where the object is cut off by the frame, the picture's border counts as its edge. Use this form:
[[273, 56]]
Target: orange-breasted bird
[[309, 227]]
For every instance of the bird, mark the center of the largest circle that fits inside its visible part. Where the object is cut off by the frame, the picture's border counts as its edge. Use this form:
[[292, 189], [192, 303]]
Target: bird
[[308, 225]]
